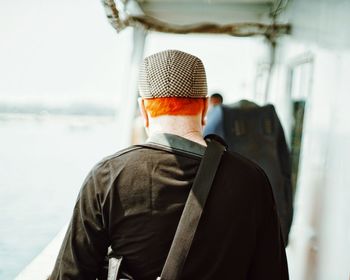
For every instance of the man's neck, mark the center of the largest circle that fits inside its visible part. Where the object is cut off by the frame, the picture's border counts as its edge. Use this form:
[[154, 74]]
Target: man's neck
[[191, 130]]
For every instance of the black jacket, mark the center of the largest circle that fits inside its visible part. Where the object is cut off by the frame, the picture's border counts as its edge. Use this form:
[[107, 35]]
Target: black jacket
[[256, 133], [133, 200]]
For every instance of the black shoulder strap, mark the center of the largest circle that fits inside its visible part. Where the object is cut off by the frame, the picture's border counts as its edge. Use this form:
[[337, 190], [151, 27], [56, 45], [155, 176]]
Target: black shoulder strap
[[192, 211]]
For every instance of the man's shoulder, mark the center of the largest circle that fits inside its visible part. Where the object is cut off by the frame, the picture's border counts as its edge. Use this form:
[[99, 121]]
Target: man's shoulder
[[243, 167], [108, 168], [119, 157], [236, 158], [124, 153]]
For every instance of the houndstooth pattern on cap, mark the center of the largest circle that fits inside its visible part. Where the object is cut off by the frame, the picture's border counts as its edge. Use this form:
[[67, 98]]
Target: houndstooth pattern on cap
[[172, 73]]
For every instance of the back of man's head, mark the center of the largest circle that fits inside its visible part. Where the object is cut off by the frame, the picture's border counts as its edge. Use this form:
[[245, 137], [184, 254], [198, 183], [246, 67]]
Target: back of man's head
[[173, 84]]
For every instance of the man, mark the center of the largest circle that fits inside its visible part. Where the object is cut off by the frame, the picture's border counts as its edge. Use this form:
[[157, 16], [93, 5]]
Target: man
[[256, 133], [214, 121], [215, 99], [133, 200]]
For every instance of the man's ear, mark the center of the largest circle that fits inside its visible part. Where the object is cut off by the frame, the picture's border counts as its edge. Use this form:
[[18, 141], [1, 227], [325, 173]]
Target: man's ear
[[205, 110], [143, 111]]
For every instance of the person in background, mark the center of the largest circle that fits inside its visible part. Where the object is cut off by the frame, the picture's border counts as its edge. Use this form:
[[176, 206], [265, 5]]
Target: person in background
[[256, 133], [133, 200], [214, 121], [215, 99]]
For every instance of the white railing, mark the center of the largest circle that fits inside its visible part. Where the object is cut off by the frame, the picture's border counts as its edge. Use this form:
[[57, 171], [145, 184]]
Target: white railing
[[41, 266]]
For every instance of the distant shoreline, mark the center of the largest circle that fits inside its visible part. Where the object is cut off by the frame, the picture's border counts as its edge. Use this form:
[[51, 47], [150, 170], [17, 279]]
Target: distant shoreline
[[75, 109]]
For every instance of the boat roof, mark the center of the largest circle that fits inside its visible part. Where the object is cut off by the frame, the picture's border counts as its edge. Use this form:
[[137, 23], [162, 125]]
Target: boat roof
[[234, 17], [214, 11]]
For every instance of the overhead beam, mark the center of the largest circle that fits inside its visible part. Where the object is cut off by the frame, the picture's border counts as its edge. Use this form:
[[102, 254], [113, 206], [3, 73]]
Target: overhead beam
[[120, 18]]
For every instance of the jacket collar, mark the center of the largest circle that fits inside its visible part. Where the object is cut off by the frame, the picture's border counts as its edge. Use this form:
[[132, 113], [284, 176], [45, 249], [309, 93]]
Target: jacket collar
[[176, 142]]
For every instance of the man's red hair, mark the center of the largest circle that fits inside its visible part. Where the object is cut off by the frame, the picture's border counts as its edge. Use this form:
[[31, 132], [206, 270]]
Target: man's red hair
[[174, 106]]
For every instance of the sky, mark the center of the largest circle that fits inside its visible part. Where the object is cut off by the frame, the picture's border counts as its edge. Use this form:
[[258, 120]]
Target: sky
[[65, 51], [59, 50]]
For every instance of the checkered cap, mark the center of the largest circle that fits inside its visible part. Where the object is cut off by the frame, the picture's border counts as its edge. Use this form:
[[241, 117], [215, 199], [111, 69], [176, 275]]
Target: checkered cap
[[172, 73]]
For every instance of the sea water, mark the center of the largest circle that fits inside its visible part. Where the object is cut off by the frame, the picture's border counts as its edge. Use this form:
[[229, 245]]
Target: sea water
[[43, 162]]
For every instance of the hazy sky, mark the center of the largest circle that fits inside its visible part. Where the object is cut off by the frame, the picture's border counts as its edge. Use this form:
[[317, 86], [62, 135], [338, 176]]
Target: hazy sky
[[66, 50]]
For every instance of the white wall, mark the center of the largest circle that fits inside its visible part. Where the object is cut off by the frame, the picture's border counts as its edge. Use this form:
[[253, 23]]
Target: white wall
[[320, 236]]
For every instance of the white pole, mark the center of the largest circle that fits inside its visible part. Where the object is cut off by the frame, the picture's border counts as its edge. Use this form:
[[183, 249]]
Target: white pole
[[126, 112]]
